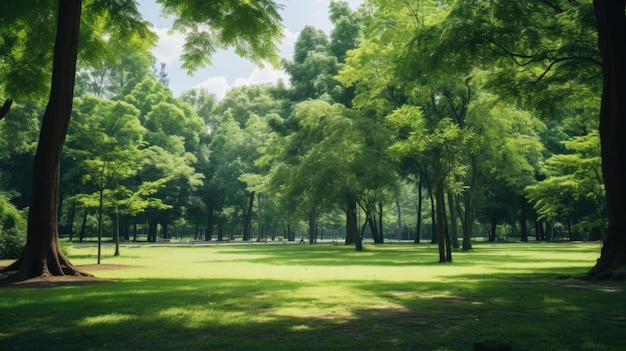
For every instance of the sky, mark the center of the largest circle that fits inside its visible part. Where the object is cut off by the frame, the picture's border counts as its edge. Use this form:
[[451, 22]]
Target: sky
[[228, 70]]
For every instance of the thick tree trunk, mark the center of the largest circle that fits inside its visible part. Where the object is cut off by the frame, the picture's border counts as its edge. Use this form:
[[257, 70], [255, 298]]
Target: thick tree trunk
[[42, 255], [611, 23]]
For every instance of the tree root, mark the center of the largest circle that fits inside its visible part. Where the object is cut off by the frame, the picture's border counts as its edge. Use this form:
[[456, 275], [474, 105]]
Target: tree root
[[607, 271]]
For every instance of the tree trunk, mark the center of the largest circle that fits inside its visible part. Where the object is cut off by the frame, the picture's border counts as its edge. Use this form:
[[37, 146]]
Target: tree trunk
[[611, 23], [523, 218], [454, 228], [312, 227], [166, 229], [540, 234], [42, 254], [353, 235], [370, 220], [100, 201], [152, 230], [418, 209], [443, 236], [208, 236], [71, 218], [433, 216], [380, 223], [492, 231], [467, 221], [398, 221], [83, 226], [288, 233], [220, 231], [116, 232], [247, 219]]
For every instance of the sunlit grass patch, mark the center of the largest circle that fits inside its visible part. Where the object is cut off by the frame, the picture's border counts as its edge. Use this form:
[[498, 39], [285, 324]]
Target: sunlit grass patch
[[109, 318], [322, 297]]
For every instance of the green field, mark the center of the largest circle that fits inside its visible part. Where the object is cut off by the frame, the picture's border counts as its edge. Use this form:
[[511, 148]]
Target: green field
[[321, 297]]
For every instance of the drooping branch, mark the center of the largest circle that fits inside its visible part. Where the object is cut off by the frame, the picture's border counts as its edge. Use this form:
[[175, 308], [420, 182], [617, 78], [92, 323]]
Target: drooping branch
[[5, 108]]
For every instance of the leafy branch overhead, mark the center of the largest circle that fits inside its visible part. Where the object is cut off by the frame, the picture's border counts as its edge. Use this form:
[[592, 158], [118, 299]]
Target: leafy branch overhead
[[253, 28]]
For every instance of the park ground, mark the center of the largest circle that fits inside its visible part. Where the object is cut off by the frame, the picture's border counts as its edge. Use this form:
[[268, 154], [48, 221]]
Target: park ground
[[319, 297]]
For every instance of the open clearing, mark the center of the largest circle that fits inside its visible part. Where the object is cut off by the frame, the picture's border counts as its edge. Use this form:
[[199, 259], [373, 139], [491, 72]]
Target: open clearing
[[320, 297]]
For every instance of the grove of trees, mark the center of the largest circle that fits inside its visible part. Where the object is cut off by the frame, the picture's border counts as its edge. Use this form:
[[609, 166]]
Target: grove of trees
[[444, 121]]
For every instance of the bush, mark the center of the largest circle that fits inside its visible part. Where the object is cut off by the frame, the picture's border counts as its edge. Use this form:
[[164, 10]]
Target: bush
[[12, 230], [11, 243]]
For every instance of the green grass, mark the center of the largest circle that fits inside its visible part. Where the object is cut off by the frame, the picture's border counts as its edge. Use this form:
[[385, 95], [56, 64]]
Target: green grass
[[322, 297]]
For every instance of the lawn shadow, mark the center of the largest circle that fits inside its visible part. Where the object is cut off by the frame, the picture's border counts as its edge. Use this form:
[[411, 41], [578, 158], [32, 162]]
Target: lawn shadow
[[232, 314]]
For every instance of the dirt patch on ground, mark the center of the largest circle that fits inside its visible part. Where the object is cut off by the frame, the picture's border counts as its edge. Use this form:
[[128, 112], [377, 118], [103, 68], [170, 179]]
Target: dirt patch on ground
[[105, 267], [67, 280]]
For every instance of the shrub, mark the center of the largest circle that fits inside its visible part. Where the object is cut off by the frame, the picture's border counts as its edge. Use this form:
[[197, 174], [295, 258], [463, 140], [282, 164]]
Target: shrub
[[12, 230]]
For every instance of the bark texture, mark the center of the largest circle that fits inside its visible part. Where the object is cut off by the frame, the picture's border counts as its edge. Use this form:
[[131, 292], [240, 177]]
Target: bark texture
[[611, 23]]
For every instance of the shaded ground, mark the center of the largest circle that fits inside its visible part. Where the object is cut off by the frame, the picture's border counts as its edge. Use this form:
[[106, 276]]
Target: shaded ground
[[52, 281]]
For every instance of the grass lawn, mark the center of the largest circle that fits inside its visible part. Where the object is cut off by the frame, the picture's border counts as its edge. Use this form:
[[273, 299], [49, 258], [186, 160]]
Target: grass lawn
[[321, 297]]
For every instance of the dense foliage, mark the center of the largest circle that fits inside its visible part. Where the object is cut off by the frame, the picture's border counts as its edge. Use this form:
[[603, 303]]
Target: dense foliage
[[414, 120]]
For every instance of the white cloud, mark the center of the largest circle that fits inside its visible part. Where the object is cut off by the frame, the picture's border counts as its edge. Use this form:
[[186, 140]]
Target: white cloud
[[215, 85], [261, 76], [287, 44], [169, 47], [219, 85]]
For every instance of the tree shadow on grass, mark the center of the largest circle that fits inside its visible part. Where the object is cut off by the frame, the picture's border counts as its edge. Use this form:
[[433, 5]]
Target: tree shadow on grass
[[230, 314], [395, 255]]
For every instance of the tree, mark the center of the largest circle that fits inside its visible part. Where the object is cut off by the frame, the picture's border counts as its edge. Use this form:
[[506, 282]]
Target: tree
[[252, 27], [42, 255], [563, 50], [25, 73], [611, 23], [313, 66], [106, 138], [331, 157], [573, 190], [124, 66]]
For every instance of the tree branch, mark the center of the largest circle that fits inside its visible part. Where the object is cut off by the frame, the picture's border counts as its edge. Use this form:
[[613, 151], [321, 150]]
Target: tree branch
[[5, 108]]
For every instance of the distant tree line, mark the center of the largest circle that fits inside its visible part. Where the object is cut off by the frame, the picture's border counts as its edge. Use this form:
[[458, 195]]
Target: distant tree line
[[426, 120]]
